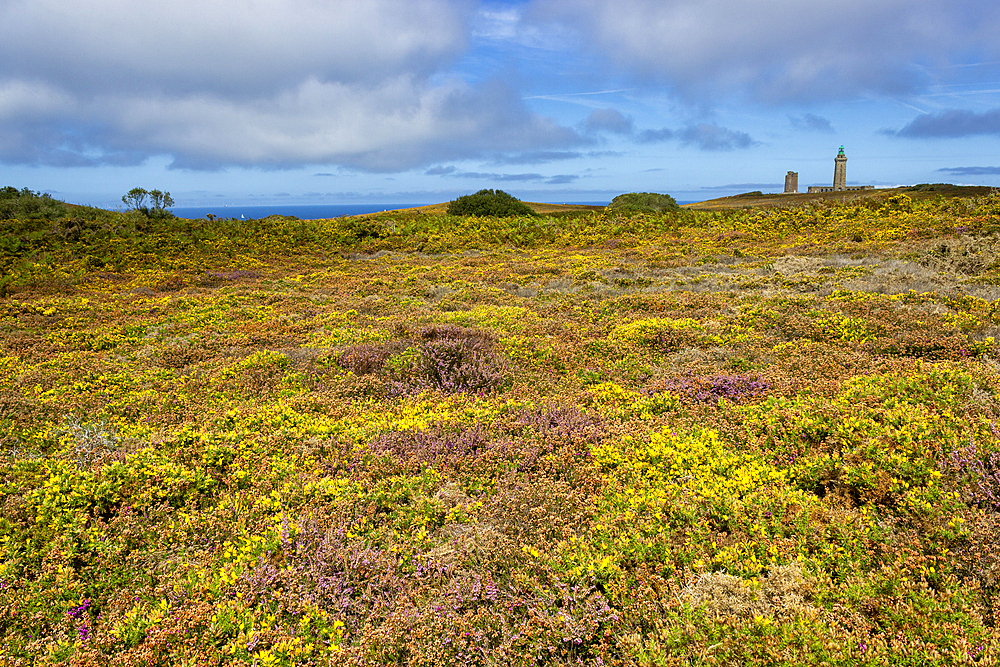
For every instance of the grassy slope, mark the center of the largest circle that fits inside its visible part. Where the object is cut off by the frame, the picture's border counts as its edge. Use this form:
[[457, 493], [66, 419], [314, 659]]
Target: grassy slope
[[804, 199], [761, 201], [538, 207], [712, 437]]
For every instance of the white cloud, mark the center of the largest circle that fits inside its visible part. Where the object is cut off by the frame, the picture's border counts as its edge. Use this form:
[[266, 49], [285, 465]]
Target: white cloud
[[21, 98], [780, 50], [498, 24], [225, 45], [270, 83], [400, 124]]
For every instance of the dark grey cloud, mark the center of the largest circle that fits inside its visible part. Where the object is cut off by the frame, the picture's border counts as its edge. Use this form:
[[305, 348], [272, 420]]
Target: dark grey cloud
[[711, 137], [561, 179], [776, 51], [951, 124], [971, 171], [655, 136], [705, 136], [608, 120], [811, 123]]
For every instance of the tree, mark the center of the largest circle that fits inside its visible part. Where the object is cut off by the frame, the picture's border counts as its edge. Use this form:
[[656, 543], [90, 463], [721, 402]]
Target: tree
[[161, 201], [135, 199], [495, 203]]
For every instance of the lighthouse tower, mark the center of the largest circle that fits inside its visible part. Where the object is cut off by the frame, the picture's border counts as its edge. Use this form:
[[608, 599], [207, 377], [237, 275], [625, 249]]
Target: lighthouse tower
[[840, 171]]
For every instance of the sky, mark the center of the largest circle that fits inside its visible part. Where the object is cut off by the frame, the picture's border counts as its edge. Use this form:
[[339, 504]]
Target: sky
[[258, 102]]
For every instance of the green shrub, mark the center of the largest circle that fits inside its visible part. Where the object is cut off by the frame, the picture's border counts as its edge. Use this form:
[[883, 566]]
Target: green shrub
[[496, 203], [643, 202], [27, 205]]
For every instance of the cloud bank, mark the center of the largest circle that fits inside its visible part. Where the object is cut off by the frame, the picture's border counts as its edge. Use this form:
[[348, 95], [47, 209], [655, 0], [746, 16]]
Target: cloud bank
[[971, 171], [704, 136], [951, 124], [358, 83], [777, 51], [392, 85]]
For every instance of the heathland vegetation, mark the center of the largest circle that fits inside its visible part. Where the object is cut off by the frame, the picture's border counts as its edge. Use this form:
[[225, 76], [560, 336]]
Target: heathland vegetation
[[733, 437]]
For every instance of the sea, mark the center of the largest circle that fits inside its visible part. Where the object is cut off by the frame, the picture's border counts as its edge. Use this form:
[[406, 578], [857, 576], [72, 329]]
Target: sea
[[302, 212]]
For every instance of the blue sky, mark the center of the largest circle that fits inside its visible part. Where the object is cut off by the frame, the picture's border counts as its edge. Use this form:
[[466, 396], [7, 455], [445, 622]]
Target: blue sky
[[420, 101]]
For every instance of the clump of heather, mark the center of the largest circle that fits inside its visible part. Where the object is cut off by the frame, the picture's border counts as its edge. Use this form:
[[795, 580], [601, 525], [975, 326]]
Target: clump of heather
[[322, 566], [713, 388], [365, 358], [537, 510], [564, 425], [213, 277], [451, 359], [980, 472], [466, 450], [447, 358], [387, 607]]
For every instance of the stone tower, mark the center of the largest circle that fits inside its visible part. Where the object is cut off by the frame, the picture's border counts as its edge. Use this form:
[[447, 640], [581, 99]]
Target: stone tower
[[840, 171], [791, 182]]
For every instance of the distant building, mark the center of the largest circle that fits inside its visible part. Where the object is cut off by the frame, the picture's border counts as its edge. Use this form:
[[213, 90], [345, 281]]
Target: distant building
[[791, 182], [839, 177]]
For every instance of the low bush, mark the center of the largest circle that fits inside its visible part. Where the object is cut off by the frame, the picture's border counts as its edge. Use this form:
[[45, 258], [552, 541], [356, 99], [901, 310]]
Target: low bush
[[496, 203], [643, 202]]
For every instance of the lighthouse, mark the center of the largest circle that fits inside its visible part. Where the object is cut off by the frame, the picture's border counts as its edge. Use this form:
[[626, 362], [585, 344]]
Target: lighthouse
[[839, 178], [840, 171]]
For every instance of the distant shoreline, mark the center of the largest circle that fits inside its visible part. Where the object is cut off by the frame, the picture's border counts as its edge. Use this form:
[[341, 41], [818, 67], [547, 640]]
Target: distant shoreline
[[326, 211], [301, 211]]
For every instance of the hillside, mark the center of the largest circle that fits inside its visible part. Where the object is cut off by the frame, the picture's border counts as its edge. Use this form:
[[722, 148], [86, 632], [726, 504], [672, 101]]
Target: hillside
[[538, 207], [918, 192], [729, 437]]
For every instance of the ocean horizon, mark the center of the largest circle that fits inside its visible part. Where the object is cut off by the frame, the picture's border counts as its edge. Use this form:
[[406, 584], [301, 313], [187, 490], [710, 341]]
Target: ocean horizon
[[303, 211]]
